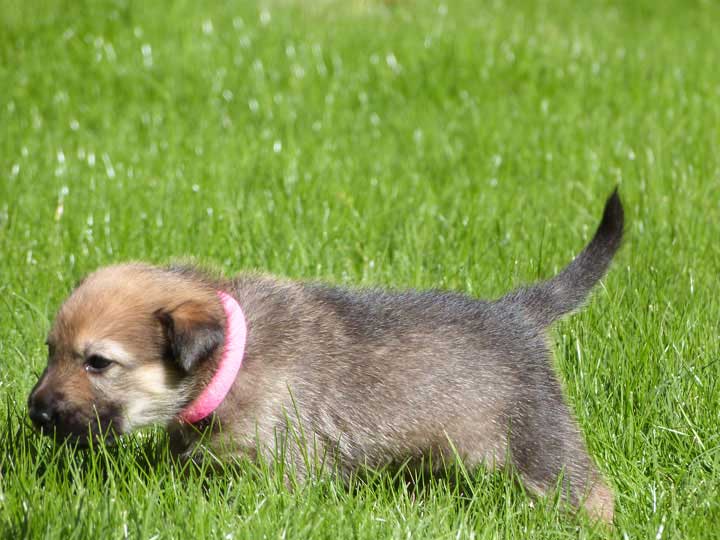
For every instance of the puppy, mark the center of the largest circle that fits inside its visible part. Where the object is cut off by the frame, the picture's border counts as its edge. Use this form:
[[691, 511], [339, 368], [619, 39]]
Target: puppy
[[368, 378]]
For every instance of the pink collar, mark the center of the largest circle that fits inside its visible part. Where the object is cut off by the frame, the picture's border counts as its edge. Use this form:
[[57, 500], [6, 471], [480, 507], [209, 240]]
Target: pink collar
[[214, 393]]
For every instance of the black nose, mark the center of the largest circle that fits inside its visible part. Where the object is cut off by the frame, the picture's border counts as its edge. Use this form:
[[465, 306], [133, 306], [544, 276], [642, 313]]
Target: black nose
[[40, 413]]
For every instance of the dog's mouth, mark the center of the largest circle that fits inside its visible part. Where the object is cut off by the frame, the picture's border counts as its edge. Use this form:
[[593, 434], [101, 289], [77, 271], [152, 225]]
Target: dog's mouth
[[81, 429]]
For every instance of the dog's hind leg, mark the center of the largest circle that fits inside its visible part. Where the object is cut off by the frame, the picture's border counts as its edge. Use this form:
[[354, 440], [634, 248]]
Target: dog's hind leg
[[546, 446]]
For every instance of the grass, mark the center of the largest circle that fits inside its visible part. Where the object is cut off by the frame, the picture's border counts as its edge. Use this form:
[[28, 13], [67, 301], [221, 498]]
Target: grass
[[452, 144]]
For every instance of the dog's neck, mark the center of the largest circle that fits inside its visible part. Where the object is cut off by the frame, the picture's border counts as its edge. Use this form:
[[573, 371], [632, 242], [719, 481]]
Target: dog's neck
[[214, 393]]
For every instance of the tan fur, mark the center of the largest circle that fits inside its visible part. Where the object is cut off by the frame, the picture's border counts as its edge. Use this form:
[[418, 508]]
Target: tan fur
[[154, 395], [112, 314], [600, 502]]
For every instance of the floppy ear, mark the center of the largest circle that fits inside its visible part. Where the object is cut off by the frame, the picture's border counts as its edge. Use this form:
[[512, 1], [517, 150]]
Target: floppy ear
[[193, 332]]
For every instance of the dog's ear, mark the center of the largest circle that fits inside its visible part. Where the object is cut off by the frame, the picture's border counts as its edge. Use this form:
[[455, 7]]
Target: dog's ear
[[193, 332]]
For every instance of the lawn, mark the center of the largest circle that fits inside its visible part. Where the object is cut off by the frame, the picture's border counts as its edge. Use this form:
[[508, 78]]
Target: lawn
[[459, 145]]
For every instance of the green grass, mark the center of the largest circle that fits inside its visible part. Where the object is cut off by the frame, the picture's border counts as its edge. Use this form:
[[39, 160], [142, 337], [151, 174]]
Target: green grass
[[458, 145]]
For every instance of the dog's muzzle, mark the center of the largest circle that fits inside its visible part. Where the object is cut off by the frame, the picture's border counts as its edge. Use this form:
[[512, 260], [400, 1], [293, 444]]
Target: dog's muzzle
[[42, 412]]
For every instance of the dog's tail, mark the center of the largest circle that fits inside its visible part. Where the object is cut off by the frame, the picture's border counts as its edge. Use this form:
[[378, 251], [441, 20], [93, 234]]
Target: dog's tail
[[549, 300]]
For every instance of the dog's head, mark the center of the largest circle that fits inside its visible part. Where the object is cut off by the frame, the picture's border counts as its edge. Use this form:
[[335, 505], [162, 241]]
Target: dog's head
[[128, 348]]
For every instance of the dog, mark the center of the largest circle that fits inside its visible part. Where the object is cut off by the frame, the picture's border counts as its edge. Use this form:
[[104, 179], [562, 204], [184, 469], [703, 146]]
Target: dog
[[371, 378]]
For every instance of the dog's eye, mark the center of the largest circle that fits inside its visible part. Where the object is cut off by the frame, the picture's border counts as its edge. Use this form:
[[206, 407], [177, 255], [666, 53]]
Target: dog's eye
[[96, 363]]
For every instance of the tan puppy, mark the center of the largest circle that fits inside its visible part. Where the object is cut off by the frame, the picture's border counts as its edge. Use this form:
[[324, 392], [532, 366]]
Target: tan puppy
[[370, 378]]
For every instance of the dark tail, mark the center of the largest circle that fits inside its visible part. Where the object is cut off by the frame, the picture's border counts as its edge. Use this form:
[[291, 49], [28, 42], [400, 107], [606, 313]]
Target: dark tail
[[549, 300]]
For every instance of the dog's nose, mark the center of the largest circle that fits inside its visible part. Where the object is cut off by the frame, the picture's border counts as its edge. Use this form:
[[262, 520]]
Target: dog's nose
[[40, 413]]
